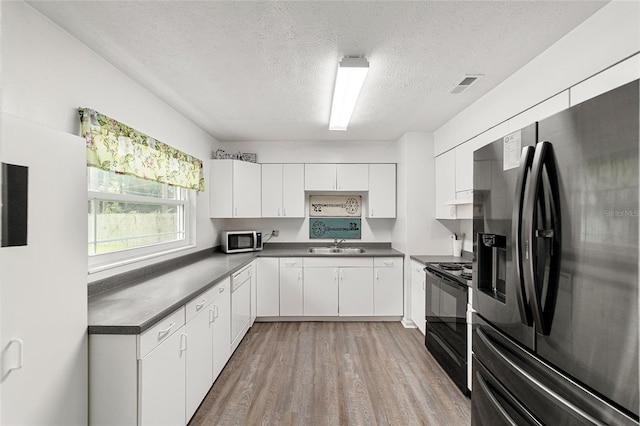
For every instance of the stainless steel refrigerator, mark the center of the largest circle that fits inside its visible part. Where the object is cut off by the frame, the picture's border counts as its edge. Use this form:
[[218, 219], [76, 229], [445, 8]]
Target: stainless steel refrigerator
[[555, 224]]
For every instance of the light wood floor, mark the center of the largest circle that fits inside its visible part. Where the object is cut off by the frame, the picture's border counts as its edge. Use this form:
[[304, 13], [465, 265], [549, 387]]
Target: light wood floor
[[333, 373]]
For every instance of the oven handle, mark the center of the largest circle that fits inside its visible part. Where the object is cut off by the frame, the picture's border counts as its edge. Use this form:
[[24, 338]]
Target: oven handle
[[446, 280]]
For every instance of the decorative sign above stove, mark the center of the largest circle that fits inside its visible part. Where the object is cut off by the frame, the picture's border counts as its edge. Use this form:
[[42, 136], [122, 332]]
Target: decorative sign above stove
[[335, 206], [335, 228]]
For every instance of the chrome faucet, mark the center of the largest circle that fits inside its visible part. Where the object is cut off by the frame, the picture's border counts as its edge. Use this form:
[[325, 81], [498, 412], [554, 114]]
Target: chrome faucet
[[336, 243]]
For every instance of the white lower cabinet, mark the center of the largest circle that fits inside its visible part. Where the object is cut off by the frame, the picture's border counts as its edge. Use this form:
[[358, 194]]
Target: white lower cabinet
[[162, 382], [241, 283], [220, 322], [338, 286], [199, 368], [268, 287], [388, 286], [320, 291], [418, 295], [161, 376], [291, 290], [356, 291]]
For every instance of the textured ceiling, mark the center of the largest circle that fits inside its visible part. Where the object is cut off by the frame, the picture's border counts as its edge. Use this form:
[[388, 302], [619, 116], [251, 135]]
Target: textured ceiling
[[265, 70]]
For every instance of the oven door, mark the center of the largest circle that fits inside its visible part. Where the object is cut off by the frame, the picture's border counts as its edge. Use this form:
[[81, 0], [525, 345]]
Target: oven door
[[446, 310]]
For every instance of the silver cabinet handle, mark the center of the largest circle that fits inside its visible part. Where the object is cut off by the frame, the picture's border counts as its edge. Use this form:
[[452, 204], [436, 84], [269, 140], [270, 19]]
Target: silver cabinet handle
[[20, 344], [163, 333], [183, 342], [201, 304]]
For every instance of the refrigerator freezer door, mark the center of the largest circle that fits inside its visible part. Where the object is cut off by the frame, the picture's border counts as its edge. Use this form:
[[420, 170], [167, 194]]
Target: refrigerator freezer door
[[529, 390], [495, 281], [593, 336]]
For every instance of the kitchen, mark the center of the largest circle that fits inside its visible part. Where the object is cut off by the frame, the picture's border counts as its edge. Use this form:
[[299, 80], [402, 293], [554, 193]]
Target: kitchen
[[48, 74]]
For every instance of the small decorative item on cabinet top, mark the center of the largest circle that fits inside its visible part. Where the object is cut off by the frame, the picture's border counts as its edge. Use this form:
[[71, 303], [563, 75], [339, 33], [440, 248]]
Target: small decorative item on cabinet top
[[221, 154], [346, 228], [335, 206]]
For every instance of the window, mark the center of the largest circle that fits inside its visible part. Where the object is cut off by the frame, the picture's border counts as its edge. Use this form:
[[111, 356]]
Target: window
[[131, 218]]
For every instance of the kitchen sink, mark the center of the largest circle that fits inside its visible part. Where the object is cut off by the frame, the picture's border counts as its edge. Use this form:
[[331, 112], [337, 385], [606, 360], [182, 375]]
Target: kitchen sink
[[334, 250]]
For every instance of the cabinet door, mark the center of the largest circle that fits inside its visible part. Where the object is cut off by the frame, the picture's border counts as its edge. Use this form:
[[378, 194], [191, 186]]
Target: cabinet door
[[319, 177], [321, 291], [293, 190], [199, 369], [240, 312], [162, 382], [221, 188], [445, 179], [464, 167], [220, 319], [355, 291], [247, 190], [418, 295], [268, 291], [352, 177], [254, 292], [387, 291], [291, 302], [272, 190], [616, 76], [382, 190]]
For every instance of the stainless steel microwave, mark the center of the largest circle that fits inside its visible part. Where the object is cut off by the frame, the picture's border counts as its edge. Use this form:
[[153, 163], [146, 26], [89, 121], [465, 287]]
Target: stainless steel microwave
[[241, 241]]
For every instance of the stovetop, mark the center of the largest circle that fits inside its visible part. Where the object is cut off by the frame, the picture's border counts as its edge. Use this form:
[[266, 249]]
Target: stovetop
[[460, 271]]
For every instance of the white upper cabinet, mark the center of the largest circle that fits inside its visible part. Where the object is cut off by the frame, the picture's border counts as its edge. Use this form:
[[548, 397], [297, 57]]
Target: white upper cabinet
[[271, 190], [336, 177], [445, 179], [283, 190], [464, 168], [352, 177], [293, 190], [235, 189], [616, 76], [319, 177], [382, 191]]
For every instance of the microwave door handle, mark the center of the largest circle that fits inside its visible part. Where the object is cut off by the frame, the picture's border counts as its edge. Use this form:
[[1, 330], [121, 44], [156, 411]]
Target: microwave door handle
[[542, 205], [516, 233]]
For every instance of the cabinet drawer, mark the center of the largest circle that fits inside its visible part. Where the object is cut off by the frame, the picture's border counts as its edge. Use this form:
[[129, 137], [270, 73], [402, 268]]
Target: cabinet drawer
[[221, 288], [160, 332], [291, 262], [199, 303], [382, 262], [243, 274]]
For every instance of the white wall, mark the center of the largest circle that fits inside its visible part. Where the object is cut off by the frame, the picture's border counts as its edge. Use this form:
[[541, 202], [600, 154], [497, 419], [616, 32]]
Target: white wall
[[416, 231], [297, 230], [47, 75]]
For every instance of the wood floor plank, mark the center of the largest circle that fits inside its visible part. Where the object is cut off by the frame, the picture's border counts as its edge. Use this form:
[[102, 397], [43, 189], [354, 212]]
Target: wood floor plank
[[333, 373]]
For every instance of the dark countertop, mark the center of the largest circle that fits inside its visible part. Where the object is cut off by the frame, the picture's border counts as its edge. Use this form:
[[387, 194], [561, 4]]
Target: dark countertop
[[138, 303], [133, 308], [466, 257], [302, 250]]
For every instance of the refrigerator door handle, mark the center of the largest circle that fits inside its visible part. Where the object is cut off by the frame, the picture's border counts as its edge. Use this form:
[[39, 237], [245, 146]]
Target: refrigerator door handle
[[488, 390], [541, 233], [526, 161]]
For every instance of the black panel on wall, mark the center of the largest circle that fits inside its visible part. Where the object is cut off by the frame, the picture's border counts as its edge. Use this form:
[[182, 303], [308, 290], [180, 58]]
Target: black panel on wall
[[15, 193]]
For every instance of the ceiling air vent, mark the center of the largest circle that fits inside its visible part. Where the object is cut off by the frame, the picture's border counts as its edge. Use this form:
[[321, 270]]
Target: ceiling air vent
[[464, 84]]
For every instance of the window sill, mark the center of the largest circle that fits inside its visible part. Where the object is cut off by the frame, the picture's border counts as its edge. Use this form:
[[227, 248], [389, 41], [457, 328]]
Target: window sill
[[125, 262]]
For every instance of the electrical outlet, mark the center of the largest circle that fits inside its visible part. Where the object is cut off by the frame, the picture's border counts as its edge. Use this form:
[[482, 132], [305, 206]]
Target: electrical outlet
[[275, 232]]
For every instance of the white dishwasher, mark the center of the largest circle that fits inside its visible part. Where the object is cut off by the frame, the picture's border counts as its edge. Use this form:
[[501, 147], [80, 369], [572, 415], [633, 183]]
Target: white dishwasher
[[240, 304]]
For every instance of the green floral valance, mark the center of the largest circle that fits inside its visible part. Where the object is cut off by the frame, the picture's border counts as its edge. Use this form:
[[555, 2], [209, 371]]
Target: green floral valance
[[118, 148]]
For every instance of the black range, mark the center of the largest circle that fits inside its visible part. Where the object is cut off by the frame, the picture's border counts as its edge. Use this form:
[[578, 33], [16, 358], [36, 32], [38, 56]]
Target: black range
[[446, 336]]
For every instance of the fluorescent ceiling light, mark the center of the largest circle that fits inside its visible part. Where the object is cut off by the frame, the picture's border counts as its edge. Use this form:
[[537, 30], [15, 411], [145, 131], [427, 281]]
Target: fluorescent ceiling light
[[351, 75]]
